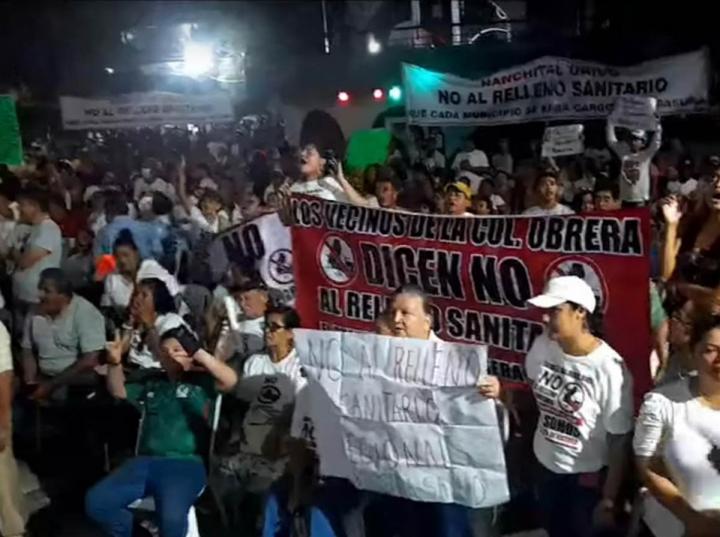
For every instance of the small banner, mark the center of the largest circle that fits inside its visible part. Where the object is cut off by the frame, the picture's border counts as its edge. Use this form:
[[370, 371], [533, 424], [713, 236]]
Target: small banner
[[563, 140], [409, 416], [145, 110], [479, 271], [367, 147], [635, 113], [11, 152], [554, 88], [262, 244]]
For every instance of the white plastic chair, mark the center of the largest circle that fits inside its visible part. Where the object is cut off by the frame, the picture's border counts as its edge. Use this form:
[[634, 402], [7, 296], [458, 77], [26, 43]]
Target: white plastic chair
[[147, 504]]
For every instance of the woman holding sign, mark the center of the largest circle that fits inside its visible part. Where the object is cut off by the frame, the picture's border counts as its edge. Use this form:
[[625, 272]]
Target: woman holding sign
[[583, 391], [410, 316]]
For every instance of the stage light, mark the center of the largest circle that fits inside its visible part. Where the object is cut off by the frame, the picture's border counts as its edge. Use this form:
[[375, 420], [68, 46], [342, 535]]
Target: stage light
[[343, 97], [373, 45], [378, 94], [109, 70], [395, 93], [198, 59]]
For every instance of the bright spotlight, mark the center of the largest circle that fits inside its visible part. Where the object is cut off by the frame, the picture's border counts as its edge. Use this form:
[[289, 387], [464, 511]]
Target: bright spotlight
[[109, 70], [197, 59], [378, 94], [343, 97], [373, 45], [395, 93]]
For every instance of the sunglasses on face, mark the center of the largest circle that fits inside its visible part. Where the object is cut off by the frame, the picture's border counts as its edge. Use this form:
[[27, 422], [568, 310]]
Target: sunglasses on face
[[274, 327]]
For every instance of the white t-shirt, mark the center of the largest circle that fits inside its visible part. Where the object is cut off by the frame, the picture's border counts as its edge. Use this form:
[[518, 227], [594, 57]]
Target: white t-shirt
[[497, 201], [143, 188], [7, 227], [119, 290], [688, 187], [558, 210], [634, 167], [139, 354], [44, 236], [503, 162], [477, 159], [581, 399], [202, 223], [675, 426], [326, 188], [270, 388], [437, 160], [6, 363]]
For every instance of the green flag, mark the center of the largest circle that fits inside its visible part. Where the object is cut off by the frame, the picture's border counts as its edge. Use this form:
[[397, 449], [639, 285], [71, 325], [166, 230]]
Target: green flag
[[11, 152], [367, 147]]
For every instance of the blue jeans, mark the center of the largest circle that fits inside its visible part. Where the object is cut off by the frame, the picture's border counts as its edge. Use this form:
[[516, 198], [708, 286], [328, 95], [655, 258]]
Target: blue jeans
[[173, 483], [333, 500]]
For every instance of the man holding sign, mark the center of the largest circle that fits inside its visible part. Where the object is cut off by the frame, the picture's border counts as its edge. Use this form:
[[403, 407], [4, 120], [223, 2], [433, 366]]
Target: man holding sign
[[637, 114]]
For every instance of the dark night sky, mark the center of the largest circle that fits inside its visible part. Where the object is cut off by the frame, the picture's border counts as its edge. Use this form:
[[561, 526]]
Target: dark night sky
[[63, 46]]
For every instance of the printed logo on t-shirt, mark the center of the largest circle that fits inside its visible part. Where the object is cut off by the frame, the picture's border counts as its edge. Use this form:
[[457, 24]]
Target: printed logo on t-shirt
[[631, 170], [561, 395], [307, 432], [269, 393]]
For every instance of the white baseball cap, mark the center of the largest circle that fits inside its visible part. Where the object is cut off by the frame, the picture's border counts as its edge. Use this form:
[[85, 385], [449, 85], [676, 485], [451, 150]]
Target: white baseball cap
[[565, 289]]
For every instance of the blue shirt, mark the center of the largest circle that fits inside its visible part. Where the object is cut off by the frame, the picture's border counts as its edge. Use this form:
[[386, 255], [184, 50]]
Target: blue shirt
[[148, 237]]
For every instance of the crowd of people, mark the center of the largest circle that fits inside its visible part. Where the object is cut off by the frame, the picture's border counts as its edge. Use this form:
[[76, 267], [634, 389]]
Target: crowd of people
[[109, 298]]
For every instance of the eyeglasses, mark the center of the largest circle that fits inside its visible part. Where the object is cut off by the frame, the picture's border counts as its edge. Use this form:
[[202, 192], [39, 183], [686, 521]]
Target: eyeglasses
[[274, 327]]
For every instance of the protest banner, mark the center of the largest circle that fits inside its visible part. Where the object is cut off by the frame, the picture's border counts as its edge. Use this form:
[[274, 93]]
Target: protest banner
[[554, 88], [11, 152], [145, 110], [411, 422], [635, 113], [262, 244], [563, 140], [479, 273]]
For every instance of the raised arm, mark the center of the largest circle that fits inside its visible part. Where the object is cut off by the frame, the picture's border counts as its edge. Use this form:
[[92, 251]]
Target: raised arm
[[612, 140], [182, 187], [353, 195], [115, 379], [224, 375], [671, 240]]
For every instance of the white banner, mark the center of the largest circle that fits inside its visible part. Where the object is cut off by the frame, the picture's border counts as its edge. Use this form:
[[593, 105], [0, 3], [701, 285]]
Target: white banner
[[262, 244], [554, 88], [403, 416], [563, 140], [635, 113], [145, 110]]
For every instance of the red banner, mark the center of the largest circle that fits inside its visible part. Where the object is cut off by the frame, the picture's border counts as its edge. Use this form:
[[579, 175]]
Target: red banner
[[478, 271]]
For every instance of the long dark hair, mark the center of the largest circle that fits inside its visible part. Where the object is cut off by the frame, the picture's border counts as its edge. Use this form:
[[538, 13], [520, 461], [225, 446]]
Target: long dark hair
[[163, 300]]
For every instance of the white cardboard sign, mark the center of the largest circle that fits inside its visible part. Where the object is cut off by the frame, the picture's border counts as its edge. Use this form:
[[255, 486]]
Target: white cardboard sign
[[403, 416], [634, 112], [563, 140]]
